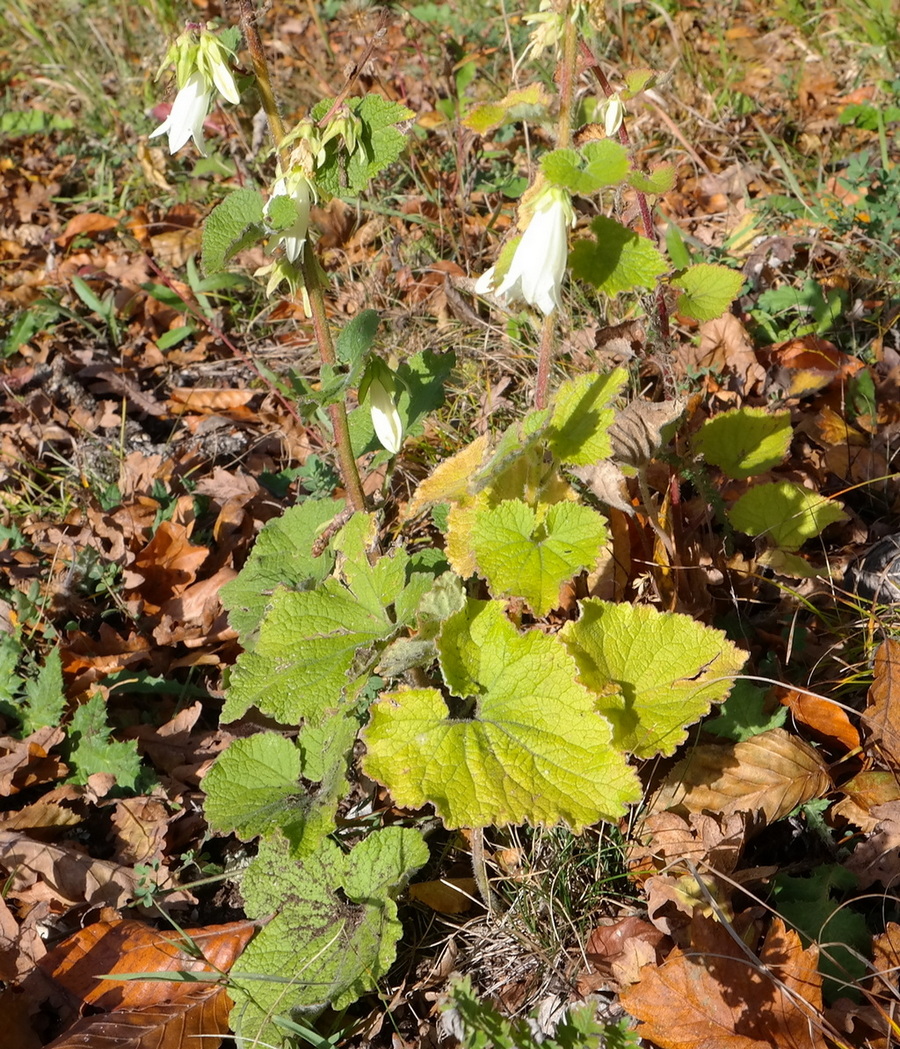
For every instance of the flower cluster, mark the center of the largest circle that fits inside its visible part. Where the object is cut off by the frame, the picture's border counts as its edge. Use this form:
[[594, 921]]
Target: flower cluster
[[202, 69]]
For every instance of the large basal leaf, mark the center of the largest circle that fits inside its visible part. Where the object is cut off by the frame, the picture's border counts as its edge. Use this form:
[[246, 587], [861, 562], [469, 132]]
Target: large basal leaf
[[521, 555], [335, 928], [535, 749], [787, 514], [281, 556], [298, 668], [253, 786], [745, 441], [669, 669]]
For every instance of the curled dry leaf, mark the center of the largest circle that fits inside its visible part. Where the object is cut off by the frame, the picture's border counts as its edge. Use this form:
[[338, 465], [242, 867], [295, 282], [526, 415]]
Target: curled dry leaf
[[716, 995], [877, 859], [825, 717], [863, 794], [618, 951], [706, 839], [28, 762], [637, 431], [61, 875], [725, 348], [882, 714], [769, 774]]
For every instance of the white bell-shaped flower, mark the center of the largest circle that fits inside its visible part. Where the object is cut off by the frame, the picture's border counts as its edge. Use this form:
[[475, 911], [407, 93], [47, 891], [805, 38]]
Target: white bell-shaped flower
[[202, 69], [187, 115], [298, 187], [538, 266], [385, 417]]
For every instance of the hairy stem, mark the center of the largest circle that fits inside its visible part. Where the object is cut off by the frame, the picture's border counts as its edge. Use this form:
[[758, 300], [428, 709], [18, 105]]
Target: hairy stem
[[662, 311], [566, 79], [338, 411], [479, 869]]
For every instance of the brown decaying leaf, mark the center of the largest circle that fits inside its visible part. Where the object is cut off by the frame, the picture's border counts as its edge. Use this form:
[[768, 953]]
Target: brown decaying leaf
[[713, 996], [771, 773], [665, 838], [882, 713], [863, 794], [823, 716], [198, 1018], [129, 946], [877, 859]]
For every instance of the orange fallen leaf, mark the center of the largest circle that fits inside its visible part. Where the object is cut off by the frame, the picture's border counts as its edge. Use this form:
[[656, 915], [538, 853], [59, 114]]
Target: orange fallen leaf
[[824, 717], [715, 996], [882, 714], [448, 895], [199, 1017], [84, 225], [123, 947]]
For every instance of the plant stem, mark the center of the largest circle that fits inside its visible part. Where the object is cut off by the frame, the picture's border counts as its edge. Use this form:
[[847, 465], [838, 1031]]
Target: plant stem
[[261, 71], [337, 411], [545, 360], [662, 311], [479, 869], [566, 78]]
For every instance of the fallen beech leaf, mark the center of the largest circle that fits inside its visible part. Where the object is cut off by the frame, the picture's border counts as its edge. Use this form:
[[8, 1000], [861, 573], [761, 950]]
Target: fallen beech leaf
[[823, 716], [882, 714], [84, 225], [712, 996], [128, 946], [199, 1017], [41, 813], [449, 895], [771, 773]]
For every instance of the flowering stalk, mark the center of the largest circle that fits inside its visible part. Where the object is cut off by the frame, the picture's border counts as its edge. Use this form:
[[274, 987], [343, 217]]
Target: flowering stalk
[[563, 137], [313, 284]]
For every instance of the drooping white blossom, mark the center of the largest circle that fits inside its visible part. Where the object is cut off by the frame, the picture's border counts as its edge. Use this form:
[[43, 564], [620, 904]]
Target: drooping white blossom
[[385, 417], [187, 115], [298, 187], [538, 266], [202, 69]]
